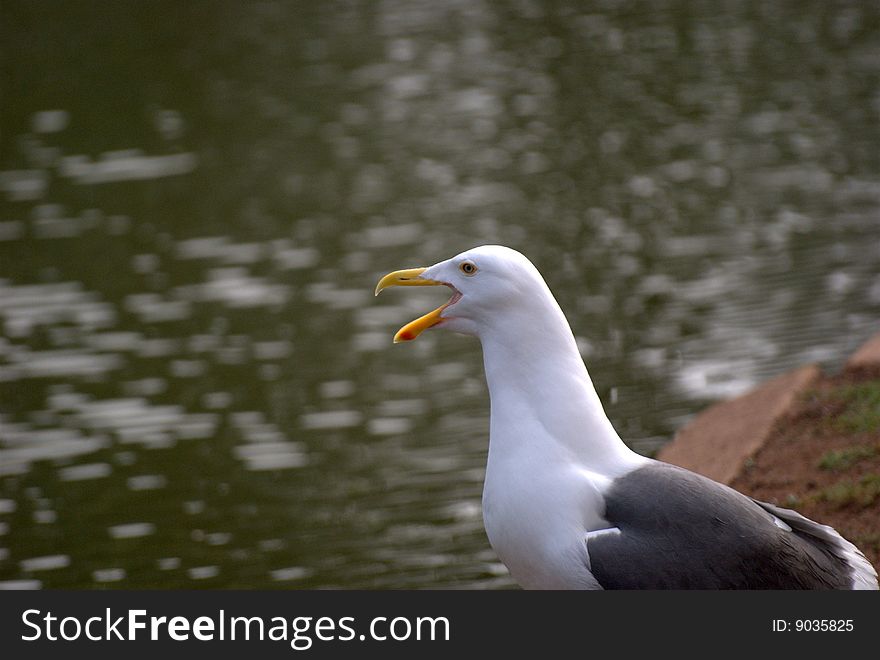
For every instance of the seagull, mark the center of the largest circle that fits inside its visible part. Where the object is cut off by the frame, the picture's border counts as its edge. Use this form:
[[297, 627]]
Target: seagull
[[566, 503]]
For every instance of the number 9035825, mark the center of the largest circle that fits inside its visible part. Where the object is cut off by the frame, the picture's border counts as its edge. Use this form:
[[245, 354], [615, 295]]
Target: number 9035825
[[813, 625]]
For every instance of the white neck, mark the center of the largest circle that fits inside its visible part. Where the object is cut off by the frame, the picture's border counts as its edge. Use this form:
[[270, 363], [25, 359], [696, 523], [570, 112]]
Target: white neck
[[541, 392]]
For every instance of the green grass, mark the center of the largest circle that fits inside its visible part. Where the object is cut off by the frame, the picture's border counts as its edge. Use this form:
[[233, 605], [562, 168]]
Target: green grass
[[843, 459], [792, 501], [862, 412], [863, 492]]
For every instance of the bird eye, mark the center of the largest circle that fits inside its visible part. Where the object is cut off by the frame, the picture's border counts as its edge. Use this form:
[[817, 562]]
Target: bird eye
[[468, 268]]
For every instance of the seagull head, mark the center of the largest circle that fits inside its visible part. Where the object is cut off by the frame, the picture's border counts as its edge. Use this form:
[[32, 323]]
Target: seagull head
[[491, 285]]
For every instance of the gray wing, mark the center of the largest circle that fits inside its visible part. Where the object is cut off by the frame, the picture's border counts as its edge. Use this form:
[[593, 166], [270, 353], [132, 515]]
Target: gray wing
[[863, 574], [679, 530]]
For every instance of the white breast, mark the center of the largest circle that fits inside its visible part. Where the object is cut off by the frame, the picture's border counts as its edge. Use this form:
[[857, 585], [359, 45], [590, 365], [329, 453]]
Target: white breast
[[537, 513]]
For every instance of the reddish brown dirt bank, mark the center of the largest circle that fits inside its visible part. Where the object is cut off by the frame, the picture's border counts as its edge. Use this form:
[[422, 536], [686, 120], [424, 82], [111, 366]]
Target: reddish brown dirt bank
[[805, 440]]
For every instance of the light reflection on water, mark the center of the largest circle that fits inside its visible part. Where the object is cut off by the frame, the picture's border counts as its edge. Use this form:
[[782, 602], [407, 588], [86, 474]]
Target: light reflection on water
[[197, 388]]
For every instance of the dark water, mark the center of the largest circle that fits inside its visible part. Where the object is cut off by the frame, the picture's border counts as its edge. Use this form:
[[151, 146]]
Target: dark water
[[197, 388]]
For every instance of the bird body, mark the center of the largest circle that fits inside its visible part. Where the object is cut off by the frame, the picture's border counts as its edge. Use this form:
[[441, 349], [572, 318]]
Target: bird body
[[539, 498], [566, 504]]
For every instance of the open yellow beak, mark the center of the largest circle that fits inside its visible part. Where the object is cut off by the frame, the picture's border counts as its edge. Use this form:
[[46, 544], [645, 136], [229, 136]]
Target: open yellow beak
[[410, 277]]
